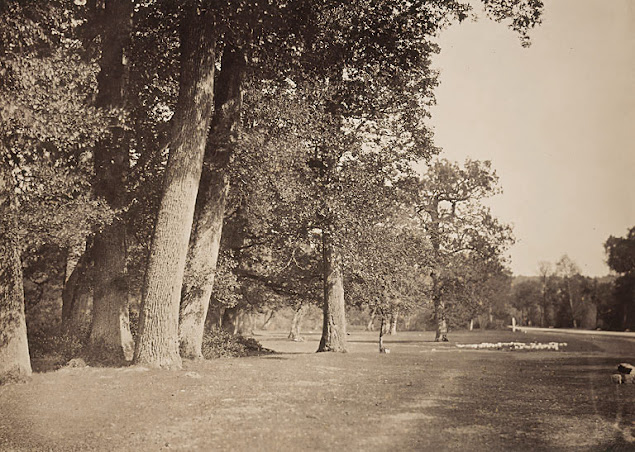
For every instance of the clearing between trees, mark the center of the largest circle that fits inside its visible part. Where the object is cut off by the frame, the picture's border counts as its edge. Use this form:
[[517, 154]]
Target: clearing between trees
[[423, 395]]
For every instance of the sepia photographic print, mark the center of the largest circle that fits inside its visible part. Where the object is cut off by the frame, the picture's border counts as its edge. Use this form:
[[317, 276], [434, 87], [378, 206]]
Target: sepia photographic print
[[317, 225]]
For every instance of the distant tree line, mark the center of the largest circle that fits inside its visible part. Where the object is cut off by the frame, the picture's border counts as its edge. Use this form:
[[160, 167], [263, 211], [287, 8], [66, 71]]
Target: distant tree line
[[562, 297]]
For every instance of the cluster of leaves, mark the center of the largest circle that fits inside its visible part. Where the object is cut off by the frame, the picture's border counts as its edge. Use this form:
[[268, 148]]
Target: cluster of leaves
[[48, 125]]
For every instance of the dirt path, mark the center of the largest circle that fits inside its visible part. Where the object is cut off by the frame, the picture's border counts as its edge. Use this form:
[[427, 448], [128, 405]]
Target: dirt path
[[421, 396]]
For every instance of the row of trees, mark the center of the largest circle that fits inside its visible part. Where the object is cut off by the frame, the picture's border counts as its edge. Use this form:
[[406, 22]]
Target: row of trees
[[182, 152], [562, 297]]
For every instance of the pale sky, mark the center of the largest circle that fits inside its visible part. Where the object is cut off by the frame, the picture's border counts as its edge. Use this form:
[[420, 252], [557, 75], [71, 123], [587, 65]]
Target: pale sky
[[557, 120]]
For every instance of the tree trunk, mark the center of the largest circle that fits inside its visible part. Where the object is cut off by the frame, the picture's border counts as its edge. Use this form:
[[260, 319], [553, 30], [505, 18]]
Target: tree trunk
[[111, 326], [437, 296], [471, 325], [268, 319], [334, 327], [75, 256], [15, 363], [440, 319], [77, 295], [294, 333], [407, 322], [439, 311], [370, 326], [393, 323], [385, 324], [110, 323], [570, 300], [158, 343], [238, 323], [210, 206], [382, 327]]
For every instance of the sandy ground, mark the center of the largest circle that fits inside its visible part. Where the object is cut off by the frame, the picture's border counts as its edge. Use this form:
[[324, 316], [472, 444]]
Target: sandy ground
[[421, 396]]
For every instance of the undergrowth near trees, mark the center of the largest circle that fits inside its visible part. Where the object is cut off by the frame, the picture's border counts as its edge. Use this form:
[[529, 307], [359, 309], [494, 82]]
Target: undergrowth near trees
[[221, 344]]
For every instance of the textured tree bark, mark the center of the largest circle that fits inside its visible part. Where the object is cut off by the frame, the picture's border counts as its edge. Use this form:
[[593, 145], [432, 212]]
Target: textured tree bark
[[74, 256], [158, 344], [334, 327], [210, 205], [294, 333], [77, 293], [110, 323], [439, 315], [110, 326], [15, 363], [437, 291]]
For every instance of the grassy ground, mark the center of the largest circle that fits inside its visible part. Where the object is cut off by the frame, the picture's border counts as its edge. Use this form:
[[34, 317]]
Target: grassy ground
[[421, 396]]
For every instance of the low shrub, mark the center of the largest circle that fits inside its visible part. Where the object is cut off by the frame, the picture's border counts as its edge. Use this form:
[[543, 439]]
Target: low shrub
[[221, 344], [58, 343]]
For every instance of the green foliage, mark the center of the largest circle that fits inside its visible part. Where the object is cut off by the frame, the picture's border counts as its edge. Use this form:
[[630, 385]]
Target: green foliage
[[218, 343]]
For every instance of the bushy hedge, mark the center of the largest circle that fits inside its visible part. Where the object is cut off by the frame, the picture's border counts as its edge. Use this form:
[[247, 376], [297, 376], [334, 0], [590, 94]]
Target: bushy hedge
[[221, 344]]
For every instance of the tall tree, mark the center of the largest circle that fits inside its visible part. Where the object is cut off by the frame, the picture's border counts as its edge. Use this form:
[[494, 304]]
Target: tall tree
[[110, 322], [621, 259], [158, 343], [47, 128], [567, 270], [463, 233], [210, 205], [15, 363], [545, 273]]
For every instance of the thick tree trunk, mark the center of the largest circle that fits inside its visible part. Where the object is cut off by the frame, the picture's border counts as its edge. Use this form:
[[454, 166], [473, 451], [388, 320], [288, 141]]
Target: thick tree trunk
[[158, 344], [437, 295], [110, 324], [440, 319], [15, 362], [393, 322], [334, 327], [210, 206], [77, 293], [294, 333]]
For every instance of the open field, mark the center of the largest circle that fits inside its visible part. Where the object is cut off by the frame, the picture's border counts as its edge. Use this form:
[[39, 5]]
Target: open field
[[421, 396]]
